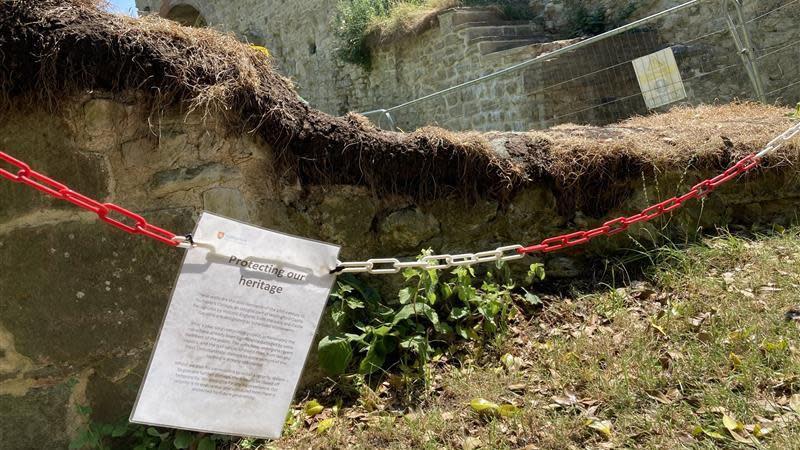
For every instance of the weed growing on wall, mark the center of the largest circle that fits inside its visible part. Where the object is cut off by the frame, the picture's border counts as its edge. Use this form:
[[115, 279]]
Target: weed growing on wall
[[352, 22], [357, 19]]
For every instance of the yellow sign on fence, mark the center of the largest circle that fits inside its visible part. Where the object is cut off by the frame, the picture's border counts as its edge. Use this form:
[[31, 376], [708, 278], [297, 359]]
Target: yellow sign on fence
[[659, 78]]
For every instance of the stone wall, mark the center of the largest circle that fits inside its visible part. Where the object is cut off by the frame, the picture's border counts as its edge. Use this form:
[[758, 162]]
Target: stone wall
[[300, 35], [81, 302], [80, 312], [596, 84]]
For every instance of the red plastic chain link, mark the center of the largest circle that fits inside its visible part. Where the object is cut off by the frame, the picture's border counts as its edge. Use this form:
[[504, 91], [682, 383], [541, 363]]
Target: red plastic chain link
[[26, 175], [621, 224]]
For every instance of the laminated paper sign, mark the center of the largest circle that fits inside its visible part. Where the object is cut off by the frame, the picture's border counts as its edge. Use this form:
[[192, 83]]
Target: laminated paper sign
[[659, 78], [237, 331]]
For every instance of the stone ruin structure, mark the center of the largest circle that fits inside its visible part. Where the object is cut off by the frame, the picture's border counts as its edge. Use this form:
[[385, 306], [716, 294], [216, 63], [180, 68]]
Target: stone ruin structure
[[169, 121], [461, 44]]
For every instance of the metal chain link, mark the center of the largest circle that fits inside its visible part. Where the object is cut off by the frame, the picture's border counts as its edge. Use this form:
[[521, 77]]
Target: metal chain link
[[776, 143]]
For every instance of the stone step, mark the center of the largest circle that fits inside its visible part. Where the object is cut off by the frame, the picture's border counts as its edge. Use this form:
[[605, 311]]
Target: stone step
[[494, 46], [521, 30], [537, 48], [490, 23], [538, 37], [475, 15]]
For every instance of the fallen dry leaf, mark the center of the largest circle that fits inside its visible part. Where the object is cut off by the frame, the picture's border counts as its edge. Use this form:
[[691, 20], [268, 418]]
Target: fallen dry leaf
[[601, 426], [697, 321], [471, 443], [735, 360], [730, 423], [568, 399], [794, 403], [312, 408], [325, 425]]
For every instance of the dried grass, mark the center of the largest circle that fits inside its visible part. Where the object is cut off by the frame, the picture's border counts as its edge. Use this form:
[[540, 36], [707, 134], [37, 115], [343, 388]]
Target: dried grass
[[592, 166], [407, 19], [705, 137], [54, 50]]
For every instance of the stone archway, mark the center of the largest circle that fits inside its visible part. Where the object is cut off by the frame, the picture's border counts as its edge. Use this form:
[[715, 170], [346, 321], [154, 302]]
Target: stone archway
[[186, 15]]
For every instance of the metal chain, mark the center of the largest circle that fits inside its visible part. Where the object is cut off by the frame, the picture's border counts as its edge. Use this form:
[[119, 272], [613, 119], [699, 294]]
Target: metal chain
[[381, 266], [139, 225]]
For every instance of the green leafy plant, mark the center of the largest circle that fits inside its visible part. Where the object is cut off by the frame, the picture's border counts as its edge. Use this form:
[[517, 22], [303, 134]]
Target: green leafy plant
[[123, 434], [352, 22], [357, 19], [429, 315], [796, 113]]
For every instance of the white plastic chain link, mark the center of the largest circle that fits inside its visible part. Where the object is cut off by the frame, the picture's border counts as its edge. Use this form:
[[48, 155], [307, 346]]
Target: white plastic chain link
[[386, 266], [776, 143]]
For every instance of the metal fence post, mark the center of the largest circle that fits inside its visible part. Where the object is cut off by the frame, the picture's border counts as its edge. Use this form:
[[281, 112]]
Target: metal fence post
[[744, 45]]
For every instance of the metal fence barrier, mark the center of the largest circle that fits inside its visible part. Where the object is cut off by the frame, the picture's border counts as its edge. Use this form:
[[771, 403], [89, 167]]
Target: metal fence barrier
[[747, 52]]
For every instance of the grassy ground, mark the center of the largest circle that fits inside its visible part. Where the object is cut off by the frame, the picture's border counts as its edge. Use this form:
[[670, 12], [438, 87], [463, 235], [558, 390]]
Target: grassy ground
[[700, 354]]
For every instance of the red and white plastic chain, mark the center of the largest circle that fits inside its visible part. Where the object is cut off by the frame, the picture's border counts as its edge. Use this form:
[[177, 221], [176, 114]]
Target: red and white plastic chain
[[140, 226], [556, 243], [610, 228], [621, 224]]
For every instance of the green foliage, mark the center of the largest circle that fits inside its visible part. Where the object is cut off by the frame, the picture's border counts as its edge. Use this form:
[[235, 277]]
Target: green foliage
[[352, 22], [429, 316], [511, 9], [588, 20], [356, 18], [97, 436]]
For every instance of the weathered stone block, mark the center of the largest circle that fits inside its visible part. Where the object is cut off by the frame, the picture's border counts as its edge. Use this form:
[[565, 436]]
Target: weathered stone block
[[346, 215], [36, 420], [407, 229], [51, 150], [102, 115], [227, 202], [84, 291], [184, 178]]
